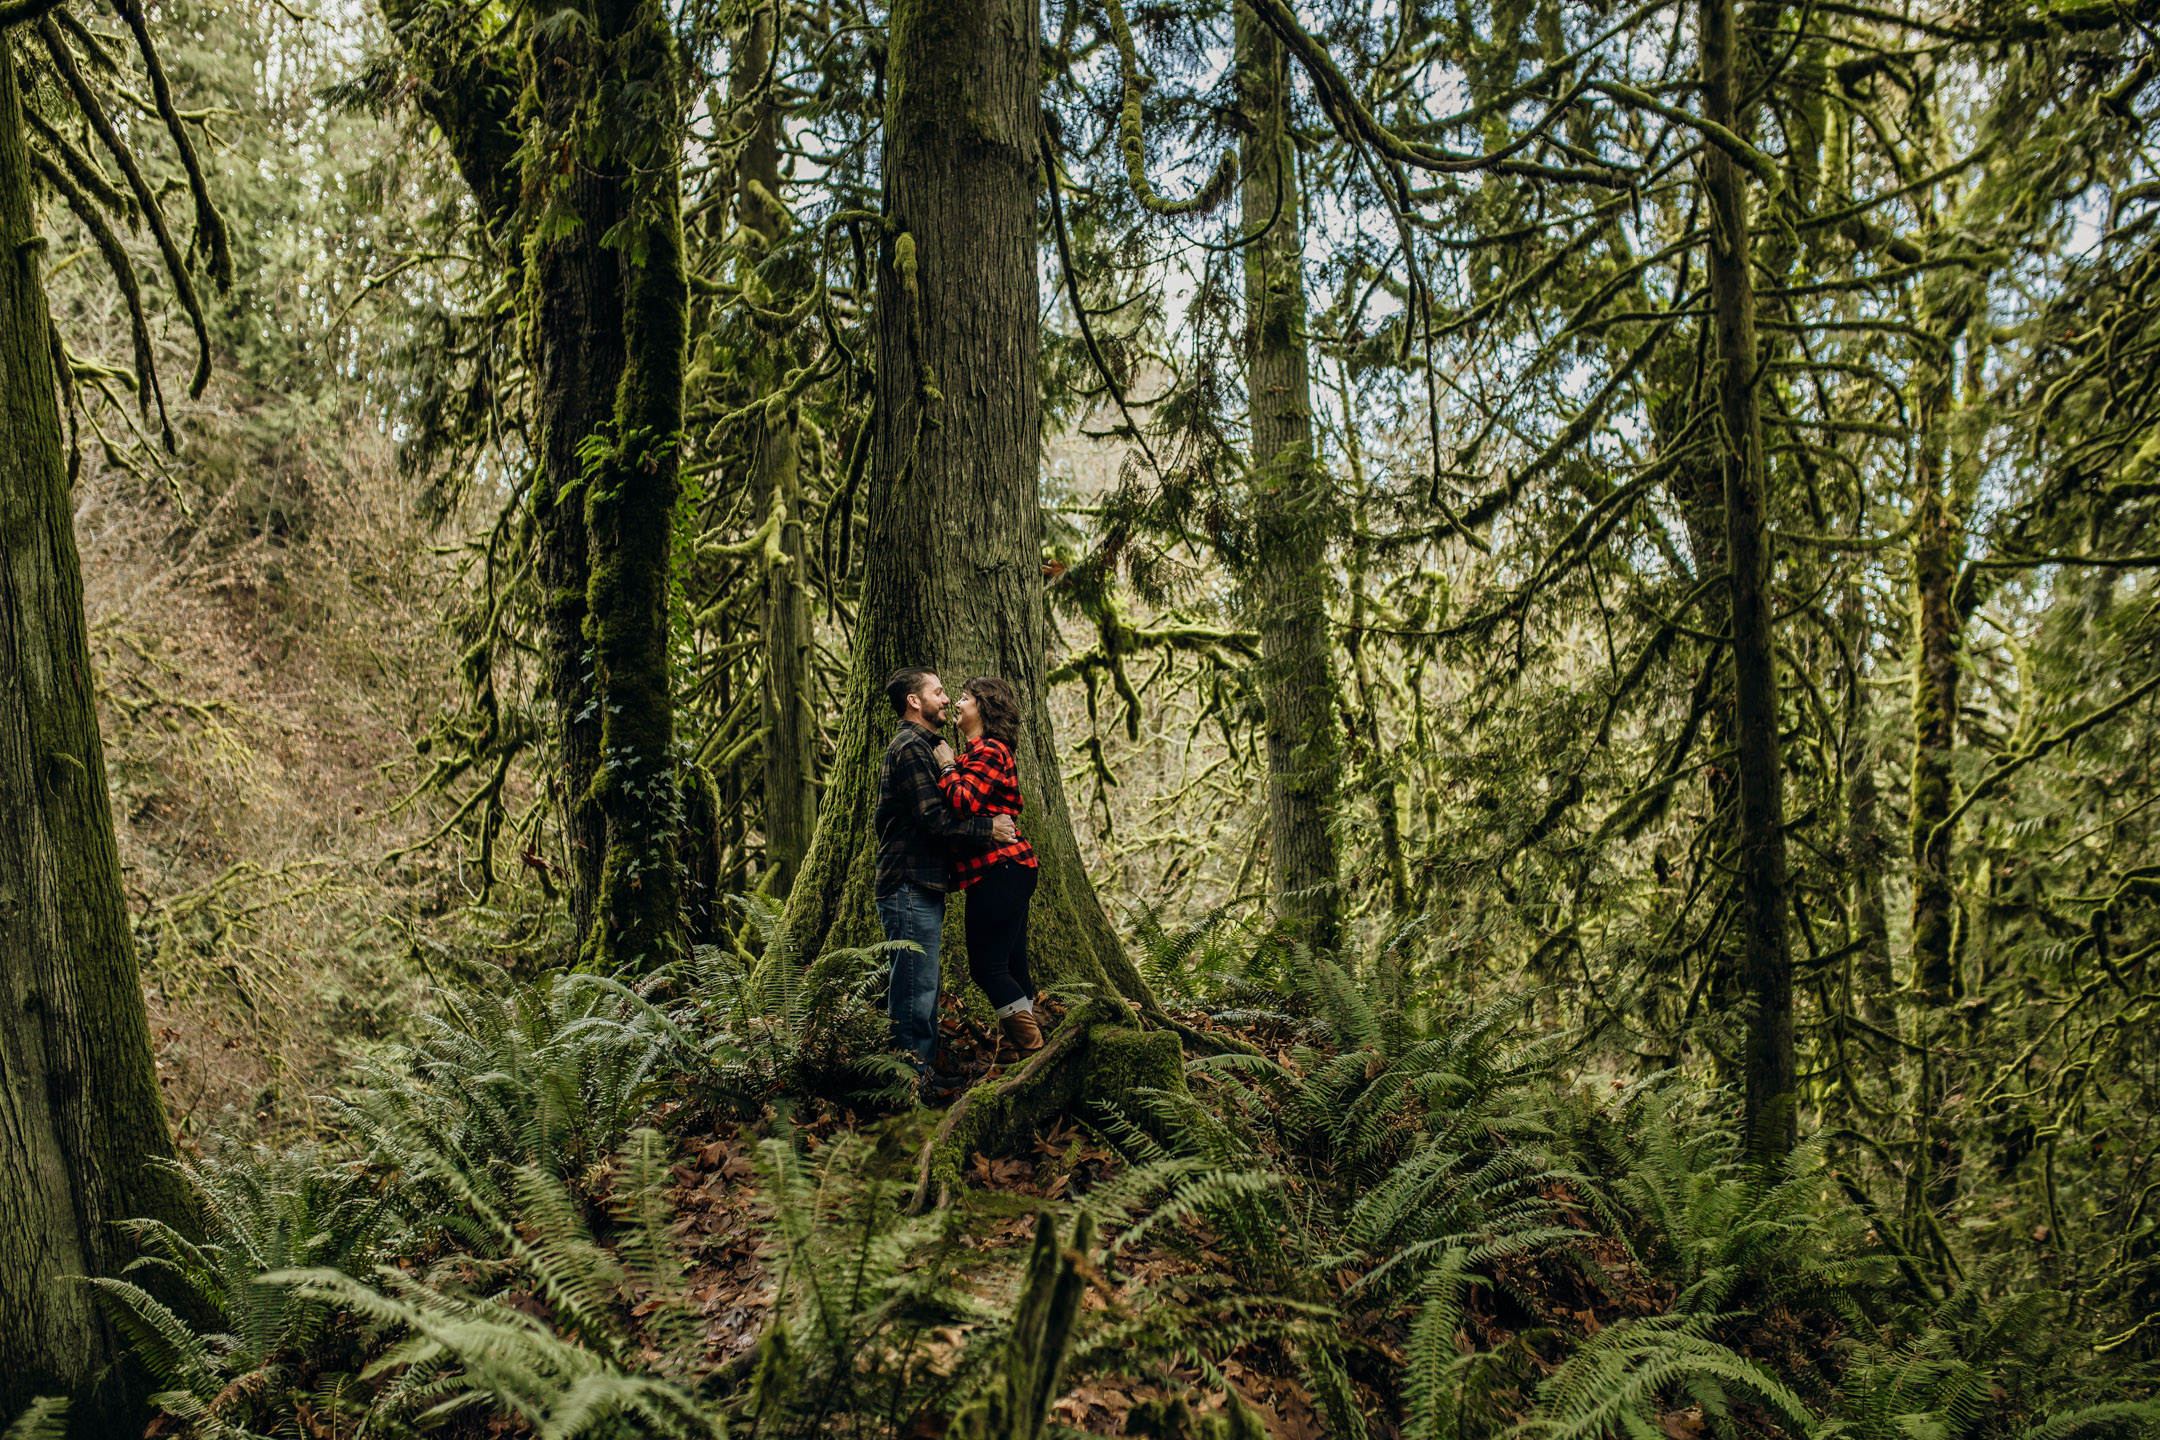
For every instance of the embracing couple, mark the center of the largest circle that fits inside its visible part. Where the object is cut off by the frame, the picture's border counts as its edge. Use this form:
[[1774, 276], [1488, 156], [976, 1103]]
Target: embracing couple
[[947, 822]]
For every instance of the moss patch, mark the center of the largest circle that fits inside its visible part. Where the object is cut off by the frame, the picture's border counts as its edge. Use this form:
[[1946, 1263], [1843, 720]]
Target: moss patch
[[1118, 1061]]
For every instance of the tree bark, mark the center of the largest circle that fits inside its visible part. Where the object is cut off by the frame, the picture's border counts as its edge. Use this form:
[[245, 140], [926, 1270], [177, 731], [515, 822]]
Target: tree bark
[[1866, 853], [575, 341], [604, 297], [1768, 1065], [82, 1125], [630, 497], [1938, 554], [954, 579], [788, 703], [1290, 580], [571, 296], [1937, 548]]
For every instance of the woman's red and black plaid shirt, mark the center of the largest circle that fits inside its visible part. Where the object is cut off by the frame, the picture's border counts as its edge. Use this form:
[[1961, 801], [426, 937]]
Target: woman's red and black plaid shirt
[[984, 781]]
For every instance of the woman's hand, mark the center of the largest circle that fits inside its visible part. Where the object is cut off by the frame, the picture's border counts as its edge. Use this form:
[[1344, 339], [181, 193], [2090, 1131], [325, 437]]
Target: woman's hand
[[944, 753]]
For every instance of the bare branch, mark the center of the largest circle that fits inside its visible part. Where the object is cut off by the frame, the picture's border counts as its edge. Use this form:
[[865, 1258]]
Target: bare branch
[[63, 59], [23, 12], [86, 211], [210, 233]]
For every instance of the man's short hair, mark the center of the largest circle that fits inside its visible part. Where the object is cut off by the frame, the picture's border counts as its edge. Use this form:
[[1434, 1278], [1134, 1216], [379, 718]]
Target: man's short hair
[[906, 681]]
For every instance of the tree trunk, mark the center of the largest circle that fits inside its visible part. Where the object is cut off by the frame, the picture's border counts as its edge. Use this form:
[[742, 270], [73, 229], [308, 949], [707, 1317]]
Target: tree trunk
[[1938, 544], [605, 302], [630, 502], [789, 704], [1771, 1101], [82, 1125], [576, 350], [1866, 854], [1934, 904], [1938, 552], [954, 579], [1291, 504], [572, 299]]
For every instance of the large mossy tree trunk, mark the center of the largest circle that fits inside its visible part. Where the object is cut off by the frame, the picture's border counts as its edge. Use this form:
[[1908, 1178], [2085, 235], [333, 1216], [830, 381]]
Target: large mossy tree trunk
[[83, 1132], [574, 338], [788, 704], [1940, 603], [954, 574], [1866, 850], [570, 311], [592, 218], [633, 77], [1292, 504], [1766, 976]]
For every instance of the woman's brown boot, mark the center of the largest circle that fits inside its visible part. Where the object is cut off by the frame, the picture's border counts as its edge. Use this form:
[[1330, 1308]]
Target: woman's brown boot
[[1022, 1033]]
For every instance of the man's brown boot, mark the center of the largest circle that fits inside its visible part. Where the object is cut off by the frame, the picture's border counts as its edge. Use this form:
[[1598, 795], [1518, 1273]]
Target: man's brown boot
[[1022, 1033]]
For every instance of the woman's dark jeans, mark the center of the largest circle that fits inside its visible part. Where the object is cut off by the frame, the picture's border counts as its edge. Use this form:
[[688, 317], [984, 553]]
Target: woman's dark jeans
[[997, 932]]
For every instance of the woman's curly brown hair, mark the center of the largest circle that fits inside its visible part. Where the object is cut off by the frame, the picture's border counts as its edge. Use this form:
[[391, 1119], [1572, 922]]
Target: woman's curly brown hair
[[1000, 707]]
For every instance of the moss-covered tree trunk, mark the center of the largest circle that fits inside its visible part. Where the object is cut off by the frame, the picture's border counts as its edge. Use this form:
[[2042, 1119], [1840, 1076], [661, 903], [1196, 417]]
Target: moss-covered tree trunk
[[574, 339], [1766, 981], [1292, 505], [954, 573], [1938, 554], [570, 306], [593, 217], [788, 704], [1937, 548], [1866, 852], [634, 84], [82, 1126]]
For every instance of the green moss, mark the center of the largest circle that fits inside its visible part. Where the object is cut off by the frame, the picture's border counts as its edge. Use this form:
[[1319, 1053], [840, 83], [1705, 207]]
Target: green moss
[[630, 506], [932, 43], [1119, 1060], [904, 261]]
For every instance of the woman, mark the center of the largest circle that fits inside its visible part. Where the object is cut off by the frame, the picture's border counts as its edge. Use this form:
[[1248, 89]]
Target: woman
[[999, 881]]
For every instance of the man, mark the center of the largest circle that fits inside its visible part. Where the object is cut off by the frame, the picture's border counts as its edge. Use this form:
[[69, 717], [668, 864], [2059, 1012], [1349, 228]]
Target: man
[[916, 828]]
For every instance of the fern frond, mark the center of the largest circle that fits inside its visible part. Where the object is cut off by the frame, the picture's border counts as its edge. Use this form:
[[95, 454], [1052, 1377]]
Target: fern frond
[[1615, 1379], [44, 1419], [163, 1341], [2121, 1417]]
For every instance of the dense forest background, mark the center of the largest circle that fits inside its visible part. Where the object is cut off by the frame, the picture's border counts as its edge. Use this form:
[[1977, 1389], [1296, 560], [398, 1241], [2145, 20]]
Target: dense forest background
[[1584, 585]]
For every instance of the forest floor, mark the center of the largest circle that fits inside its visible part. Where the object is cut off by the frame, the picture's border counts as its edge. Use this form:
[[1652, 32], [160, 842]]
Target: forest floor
[[1531, 1309], [719, 1212], [260, 685]]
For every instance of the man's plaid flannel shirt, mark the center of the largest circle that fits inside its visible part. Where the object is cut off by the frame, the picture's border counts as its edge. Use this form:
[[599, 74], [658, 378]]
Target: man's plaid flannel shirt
[[985, 782], [916, 827]]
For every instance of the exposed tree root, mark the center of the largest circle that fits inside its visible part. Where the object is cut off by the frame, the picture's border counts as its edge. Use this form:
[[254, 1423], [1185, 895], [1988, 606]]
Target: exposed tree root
[[1092, 1059], [1205, 1041]]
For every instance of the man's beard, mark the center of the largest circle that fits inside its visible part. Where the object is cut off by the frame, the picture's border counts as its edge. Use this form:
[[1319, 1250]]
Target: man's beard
[[933, 718]]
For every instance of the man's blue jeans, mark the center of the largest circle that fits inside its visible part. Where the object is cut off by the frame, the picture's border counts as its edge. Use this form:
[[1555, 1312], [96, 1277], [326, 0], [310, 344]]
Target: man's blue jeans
[[913, 913]]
